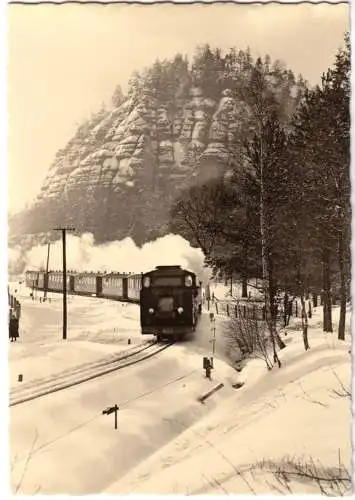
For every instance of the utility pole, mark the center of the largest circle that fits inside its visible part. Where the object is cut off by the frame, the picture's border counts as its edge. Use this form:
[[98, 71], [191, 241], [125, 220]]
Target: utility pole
[[64, 231], [46, 275]]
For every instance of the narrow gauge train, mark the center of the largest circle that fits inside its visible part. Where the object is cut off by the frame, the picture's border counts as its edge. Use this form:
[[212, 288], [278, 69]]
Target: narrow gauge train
[[116, 286], [169, 296], [170, 302]]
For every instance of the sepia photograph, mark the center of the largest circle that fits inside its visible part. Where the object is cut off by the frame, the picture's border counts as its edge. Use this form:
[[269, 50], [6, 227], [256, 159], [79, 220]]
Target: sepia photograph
[[178, 288]]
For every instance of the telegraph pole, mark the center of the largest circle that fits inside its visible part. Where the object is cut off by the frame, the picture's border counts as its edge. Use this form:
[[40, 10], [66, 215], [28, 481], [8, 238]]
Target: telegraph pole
[[64, 233], [46, 276]]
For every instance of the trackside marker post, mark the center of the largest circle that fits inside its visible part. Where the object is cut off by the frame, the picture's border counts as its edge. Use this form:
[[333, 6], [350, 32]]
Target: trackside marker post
[[213, 340], [112, 409], [208, 365]]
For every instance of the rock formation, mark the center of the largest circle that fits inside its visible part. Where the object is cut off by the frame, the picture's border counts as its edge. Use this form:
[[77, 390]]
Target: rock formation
[[119, 174]]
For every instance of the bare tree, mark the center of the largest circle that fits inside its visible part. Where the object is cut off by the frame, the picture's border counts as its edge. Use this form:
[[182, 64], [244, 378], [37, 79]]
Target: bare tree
[[196, 214]]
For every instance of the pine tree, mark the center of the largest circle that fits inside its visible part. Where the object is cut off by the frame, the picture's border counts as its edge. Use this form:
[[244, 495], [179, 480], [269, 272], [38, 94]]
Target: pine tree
[[117, 97], [321, 141]]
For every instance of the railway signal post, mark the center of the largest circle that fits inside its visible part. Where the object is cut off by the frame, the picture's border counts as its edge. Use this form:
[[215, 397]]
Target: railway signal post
[[112, 409], [64, 231]]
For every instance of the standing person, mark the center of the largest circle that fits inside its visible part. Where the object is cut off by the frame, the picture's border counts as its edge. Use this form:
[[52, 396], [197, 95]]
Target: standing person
[[13, 326], [16, 327]]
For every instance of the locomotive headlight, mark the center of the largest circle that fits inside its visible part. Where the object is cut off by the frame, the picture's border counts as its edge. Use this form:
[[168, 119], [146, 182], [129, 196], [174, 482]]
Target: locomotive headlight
[[188, 280], [146, 282], [150, 310], [180, 310]]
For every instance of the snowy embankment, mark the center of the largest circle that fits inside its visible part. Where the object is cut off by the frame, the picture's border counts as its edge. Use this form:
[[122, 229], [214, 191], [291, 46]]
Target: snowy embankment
[[97, 328], [288, 430], [158, 398], [62, 443], [167, 441]]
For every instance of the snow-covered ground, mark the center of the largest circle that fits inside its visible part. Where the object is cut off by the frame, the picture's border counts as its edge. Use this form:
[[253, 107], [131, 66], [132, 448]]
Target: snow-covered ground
[[151, 395], [223, 292], [96, 329], [167, 441], [72, 448], [293, 420]]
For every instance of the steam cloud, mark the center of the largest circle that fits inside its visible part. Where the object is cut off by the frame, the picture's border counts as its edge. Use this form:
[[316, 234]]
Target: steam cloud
[[122, 256]]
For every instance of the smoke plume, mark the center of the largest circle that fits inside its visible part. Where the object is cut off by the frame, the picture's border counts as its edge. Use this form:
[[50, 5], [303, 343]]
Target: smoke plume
[[119, 256]]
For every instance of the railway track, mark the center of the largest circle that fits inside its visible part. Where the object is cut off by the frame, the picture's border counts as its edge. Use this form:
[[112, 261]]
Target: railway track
[[68, 378]]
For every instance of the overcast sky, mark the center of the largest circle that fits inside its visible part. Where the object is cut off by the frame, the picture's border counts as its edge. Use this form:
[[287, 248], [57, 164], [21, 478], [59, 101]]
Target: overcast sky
[[65, 60]]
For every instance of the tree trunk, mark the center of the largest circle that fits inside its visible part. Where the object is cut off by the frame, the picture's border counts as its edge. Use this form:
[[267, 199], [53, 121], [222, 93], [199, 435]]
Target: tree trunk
[[273, 303], [265, 261], [327, 295], [244, 287], [289, 312], [304, 323], [315, 299], [285, 308], [341, 327], [245, 272]]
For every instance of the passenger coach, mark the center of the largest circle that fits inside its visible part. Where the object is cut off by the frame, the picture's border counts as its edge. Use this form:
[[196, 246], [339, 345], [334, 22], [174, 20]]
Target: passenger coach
[[170, 302]]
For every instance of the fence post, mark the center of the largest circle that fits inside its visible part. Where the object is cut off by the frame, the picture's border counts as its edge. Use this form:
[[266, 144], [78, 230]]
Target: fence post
[[290, 309], [216, 307], [296, 309], [236, 311], [315, 300], [227, 309]]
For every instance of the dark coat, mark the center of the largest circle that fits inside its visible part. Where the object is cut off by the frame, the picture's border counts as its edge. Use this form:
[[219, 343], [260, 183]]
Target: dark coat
[[13, 328]]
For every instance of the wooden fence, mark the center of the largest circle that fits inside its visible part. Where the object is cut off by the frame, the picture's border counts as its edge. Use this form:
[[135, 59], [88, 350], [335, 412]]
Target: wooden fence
[[253, 311]]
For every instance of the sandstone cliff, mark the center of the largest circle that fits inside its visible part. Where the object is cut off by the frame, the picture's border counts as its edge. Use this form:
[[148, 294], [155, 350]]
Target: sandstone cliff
[[119, 174]]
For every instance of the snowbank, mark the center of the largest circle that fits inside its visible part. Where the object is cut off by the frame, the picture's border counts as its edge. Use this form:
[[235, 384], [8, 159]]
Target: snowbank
[[158, 399], [292, 419], [167, 441], [96, 328]]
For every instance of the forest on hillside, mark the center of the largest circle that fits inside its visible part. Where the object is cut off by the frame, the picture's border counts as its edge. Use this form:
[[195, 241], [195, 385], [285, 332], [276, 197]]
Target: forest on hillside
[[283, 213]]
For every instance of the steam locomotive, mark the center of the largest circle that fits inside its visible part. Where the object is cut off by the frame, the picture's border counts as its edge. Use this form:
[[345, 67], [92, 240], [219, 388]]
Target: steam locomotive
[[170, 302]]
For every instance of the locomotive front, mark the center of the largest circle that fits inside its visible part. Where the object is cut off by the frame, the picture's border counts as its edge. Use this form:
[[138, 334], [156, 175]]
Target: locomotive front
[[169, 302]]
